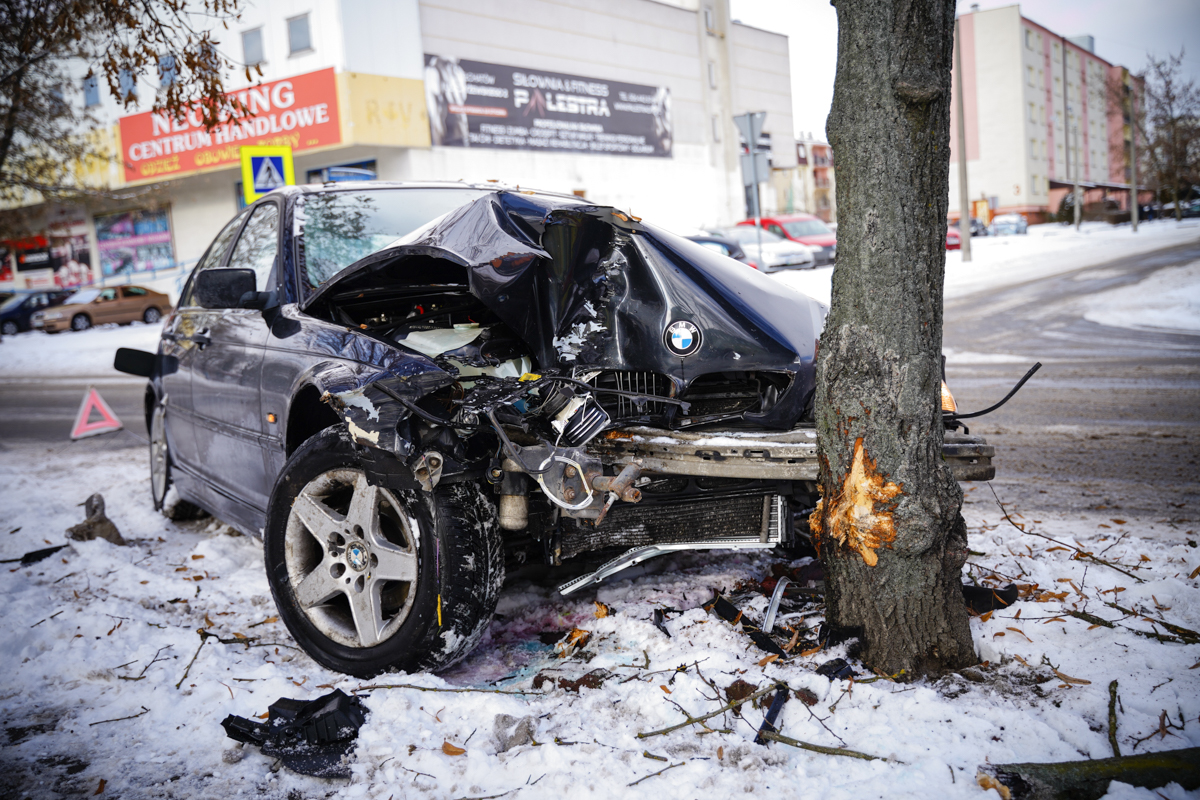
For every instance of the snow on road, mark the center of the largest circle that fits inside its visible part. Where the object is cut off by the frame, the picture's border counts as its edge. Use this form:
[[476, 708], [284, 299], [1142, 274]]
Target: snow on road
[[1046, 250], [97, 633], [1168, 300], [69, 354]]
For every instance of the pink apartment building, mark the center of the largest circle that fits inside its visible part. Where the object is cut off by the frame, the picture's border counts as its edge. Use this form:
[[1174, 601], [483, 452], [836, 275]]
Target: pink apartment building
[[1034, 124]]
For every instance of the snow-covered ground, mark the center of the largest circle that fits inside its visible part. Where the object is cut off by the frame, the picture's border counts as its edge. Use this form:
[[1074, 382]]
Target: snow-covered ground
[[1168, 300], [1046, 250], [101, 654]]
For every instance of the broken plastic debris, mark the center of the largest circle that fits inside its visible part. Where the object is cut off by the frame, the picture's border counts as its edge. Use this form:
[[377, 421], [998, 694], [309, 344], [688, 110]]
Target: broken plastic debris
[[311, 737], [836, 670]]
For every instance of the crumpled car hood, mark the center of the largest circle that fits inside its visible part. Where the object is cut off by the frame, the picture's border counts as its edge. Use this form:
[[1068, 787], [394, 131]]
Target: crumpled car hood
[[588, 286]]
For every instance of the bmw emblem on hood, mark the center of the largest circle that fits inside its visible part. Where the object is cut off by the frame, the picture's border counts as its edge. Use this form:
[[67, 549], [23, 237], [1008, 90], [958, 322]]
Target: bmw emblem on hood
[[682, 338]]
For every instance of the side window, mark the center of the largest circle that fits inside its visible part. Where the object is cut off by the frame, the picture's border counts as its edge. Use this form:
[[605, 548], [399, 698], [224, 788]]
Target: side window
[[134, 291], [107, 295], [259, 243], [216, 252], [778, 231]]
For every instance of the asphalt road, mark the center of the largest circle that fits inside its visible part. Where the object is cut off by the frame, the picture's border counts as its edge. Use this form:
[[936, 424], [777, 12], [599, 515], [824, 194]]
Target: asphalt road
[[1112, 419]]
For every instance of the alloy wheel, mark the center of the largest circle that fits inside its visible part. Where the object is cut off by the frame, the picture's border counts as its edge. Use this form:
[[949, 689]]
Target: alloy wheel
[[351, 555]]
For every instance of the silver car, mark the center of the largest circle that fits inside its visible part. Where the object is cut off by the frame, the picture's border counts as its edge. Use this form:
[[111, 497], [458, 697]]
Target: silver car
[[776, 252]]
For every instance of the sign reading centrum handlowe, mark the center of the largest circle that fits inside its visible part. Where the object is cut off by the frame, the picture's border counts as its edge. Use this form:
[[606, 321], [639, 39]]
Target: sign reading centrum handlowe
[[299, 112], [473, 104]]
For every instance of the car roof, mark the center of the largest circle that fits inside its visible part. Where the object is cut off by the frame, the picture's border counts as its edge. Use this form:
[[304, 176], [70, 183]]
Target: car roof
[[351, 186]]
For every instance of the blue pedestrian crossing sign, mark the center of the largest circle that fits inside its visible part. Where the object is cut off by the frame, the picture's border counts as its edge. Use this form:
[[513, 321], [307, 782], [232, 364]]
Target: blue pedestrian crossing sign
[[264, 168]]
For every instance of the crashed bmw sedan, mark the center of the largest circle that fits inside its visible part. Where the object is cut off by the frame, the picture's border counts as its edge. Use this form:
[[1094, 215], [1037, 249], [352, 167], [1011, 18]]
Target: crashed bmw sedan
[[400, 386]]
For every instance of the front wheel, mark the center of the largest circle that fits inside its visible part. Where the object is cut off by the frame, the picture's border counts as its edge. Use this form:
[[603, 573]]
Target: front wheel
[[10, 328], [80, 322], [369, 575], [151, 316]]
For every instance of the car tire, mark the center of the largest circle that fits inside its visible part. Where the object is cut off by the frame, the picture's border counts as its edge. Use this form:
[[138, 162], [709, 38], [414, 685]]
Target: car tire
[[10, 328], [331, 534], [151, 316], [80, 322], [166, 501]]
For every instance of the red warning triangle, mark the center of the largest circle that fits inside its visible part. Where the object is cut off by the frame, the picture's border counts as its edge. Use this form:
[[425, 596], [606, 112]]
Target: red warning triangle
[[107, 423]]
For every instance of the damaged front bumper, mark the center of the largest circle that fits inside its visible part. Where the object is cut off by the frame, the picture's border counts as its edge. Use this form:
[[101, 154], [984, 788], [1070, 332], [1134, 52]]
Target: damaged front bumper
[[766, 455]]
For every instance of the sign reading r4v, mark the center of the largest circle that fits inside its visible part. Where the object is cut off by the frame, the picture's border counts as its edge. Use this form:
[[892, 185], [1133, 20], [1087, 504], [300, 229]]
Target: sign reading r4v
[[265, 167]]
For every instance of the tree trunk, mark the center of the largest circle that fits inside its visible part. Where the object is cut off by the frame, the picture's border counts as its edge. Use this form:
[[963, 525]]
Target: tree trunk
[[888, 524]]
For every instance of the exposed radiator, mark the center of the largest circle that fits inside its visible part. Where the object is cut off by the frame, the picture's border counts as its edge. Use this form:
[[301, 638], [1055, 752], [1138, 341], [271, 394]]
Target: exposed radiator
[[739, 519]]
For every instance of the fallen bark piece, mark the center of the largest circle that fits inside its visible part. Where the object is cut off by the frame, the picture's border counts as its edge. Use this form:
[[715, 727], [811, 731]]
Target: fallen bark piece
[[1088, 780], [97, 525]]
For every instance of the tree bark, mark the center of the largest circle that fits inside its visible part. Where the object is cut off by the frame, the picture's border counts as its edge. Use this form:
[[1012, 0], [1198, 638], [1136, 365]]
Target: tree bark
[[889, 524]]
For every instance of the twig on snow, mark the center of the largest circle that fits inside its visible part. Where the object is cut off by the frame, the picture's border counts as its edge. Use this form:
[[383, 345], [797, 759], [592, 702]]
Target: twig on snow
[[660, 772], [816, 748], [374, 686], [120, 719], [203, 641], [1112, 719], [727, 707]]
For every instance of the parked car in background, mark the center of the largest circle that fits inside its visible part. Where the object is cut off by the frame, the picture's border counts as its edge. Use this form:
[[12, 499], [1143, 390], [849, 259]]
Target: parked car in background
[[805, 229], [88, 307], [1008, 225], [953, 238], [723, 245], [978, 228], [776, 252], [17, 312]]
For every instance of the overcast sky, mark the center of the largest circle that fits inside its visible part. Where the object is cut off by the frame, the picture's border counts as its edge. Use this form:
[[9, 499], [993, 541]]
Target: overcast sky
[[1125, 32]]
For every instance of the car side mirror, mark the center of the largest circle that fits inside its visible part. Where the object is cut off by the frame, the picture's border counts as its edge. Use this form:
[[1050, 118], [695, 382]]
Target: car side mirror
[[227, 288], [134, 362]]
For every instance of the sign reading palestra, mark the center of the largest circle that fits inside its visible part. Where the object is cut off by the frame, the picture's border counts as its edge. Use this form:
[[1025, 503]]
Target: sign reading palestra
[[475, 104], [299, 112]]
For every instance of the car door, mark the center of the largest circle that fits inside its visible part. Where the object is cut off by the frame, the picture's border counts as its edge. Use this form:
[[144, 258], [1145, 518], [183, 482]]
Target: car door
[[180, 345], [106, 307], [133, 303], [227, 369]]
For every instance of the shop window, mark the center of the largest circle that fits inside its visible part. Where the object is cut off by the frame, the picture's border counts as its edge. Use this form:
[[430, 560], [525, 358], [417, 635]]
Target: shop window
[[299, 40], [712, 74], [358, 171], [252, 47], [134, 241], [91, 91], [710, 21]]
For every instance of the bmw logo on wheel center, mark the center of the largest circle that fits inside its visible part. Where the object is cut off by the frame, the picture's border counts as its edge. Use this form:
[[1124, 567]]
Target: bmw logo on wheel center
[[682, 338]]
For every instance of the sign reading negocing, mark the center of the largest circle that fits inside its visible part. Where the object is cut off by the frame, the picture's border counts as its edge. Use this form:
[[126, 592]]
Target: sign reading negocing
[[473, 104], [300, 112]]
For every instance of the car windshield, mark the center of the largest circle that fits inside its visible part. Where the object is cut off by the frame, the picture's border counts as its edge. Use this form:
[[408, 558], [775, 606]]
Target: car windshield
[[13, 302], [81, 297], [746, 234], [339, 228], [806, 227]]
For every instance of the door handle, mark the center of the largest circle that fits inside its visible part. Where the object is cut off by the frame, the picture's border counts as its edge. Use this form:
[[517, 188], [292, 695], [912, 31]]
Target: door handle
[[201, 338]]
